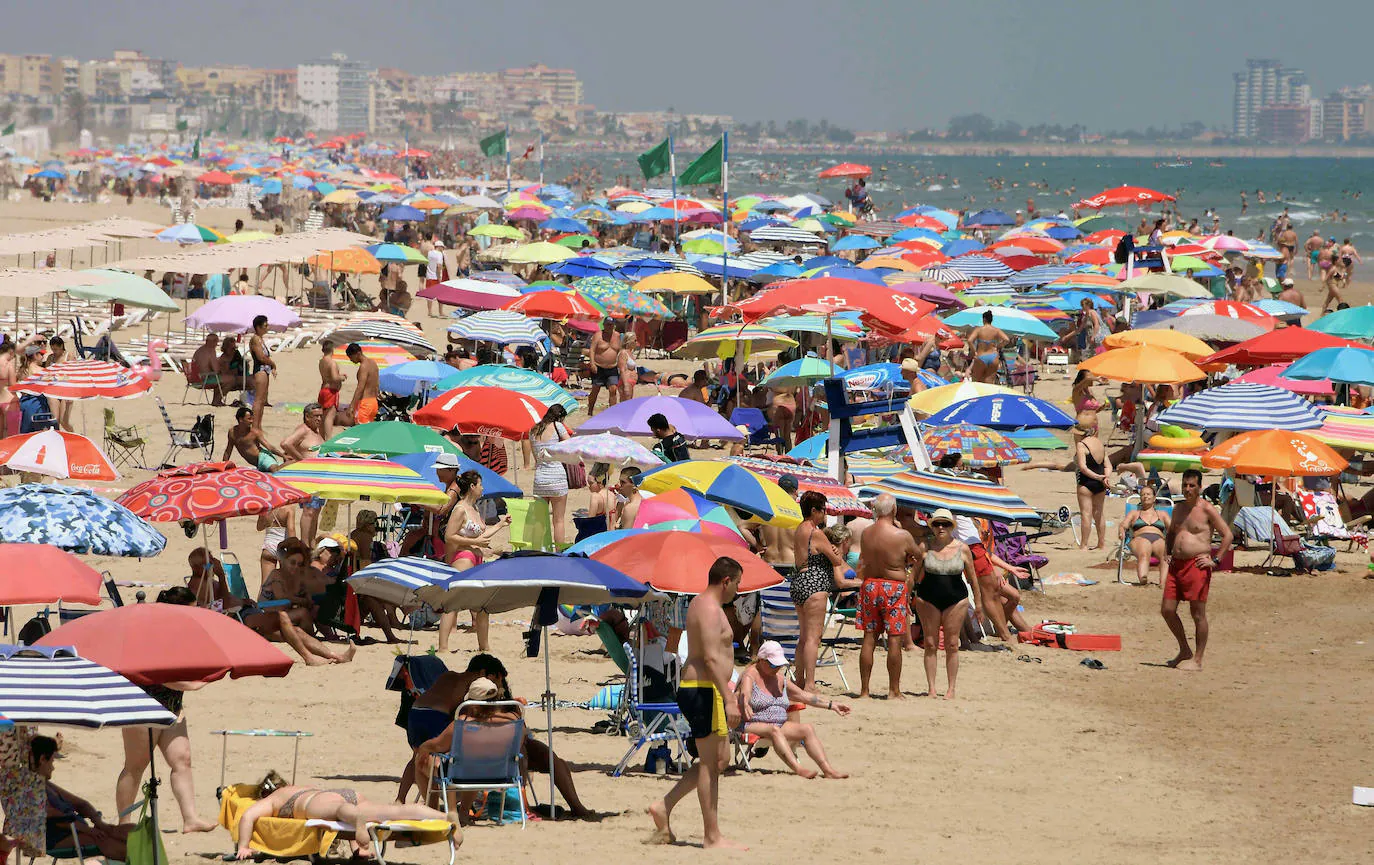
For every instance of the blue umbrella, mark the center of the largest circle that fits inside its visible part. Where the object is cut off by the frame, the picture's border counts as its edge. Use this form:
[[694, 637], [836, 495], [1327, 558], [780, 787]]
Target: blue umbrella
[[1345, 365], [76, 520], [960, 247], [787, 269], [1071, 300], [826, 261], [50, 174], [854, 241], [271, 186], [989, 218], [396, 581], [858, 274], [51, 685], [566, 225], [638, 268], [876, 376], [914, 234], [593, 544], [520, 580], [1004, 412], [1243, 406], [1063, 232], [402, 213], [493, 485], [654, 214], [412, 377], [580, 266]]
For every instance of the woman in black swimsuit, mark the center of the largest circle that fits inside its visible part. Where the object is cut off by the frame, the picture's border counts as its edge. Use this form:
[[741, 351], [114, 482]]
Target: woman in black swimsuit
[[1094, 468], [944, 577], [818, 573], [262, 365]]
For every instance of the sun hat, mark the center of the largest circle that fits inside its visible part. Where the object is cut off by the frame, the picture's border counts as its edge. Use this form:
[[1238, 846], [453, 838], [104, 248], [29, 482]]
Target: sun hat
[[482, 689], [939, 515], [446, 460]]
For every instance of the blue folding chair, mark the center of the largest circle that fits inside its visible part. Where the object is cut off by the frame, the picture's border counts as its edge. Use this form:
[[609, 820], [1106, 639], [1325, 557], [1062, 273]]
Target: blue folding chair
[[484, 756], [760, 433], [650, 723], [781, 624]]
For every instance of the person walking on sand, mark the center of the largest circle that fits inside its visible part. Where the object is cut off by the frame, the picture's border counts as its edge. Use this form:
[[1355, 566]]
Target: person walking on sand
[[331, 384], [703, 696], [1190, 568], [884, 598], [605, 352], [365, 394]]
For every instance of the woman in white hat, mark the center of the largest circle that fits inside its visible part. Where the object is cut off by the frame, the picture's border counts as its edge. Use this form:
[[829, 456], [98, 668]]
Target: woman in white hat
[[765, 698]]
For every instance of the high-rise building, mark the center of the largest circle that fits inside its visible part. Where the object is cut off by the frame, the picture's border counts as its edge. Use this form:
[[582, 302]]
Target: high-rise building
[[1343, 117], [1283, 122], [1264, 82], [335, 94]]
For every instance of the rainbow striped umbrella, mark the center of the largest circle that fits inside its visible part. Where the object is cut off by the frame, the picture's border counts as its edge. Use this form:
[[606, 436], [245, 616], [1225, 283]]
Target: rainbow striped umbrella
[[926, 491], [839, 501], [620, 298], [349, 479], [724, 340], [865, 468], [979, 446], [1084, 281], [1342, 430], [384, 353]]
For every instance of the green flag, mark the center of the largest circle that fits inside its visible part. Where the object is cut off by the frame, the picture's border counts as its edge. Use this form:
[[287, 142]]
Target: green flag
[[182, 126], [195, 149], [494, 145], [8, 130], [654, 161], [706, 168]]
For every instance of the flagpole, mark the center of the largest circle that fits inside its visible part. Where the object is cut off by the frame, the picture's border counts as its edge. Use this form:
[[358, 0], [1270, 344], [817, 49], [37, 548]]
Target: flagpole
[[672, 173], [508, 159], [541, 157], [725, 226]]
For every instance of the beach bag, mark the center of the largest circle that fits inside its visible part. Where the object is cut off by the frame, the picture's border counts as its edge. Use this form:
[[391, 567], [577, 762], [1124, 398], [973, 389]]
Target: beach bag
[[577, 475], [139, 847]]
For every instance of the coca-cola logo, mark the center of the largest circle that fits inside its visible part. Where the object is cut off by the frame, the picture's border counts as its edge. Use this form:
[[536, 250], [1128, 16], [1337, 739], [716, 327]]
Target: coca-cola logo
[[89, 469]]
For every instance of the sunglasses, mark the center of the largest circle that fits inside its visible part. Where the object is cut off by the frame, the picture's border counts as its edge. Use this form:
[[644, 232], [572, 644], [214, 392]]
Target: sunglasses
[[941, 524]]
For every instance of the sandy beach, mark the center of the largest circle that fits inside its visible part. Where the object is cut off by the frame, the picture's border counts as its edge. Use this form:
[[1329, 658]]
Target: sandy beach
[[1253, 757]]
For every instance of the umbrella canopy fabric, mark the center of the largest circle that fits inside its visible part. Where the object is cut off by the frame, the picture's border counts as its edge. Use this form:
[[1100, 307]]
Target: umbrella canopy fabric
[[1006, 318], [1240, 406], [1345, 365], [483, 411], [1282, 345], [978, 446], [383, 331], [384, 354], [396, 581], [631, 418], [541, 252], [938, 398], [413, 377], [76, 520], [386, 438], [1274, 453], [235, 313], [396, 252], [116, 286], [1210, 328], [603, 448], [678, 562], [41, 574], [207, 492], [1004, 412], [513, 378], [839, 500], [879, 306], [469, 293], [522, 580], [590, 545], [85, 379], [1355, 432], [927, 491], [1273, 376], [560, 305], [153, 644], [348, 260], [57, 454], [52, 686], [345, 479], [729, 484], [494, 486], [1189, 346], [1233, 309], [1122, 196], [1143, 363], [498, 326], [1356, 322], [727, 340], [802, 372], [1165, 283]]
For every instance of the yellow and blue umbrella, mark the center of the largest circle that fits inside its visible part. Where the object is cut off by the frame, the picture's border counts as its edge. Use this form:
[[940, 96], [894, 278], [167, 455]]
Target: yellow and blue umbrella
[[726, 340], [755, 496]]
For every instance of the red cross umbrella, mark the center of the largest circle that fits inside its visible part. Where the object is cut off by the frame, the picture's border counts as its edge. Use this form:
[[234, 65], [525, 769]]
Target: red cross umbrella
[[85, 379], [207, 492], [881, 307], [1124, 195], [43, 574], [483, 410], [847, 169]]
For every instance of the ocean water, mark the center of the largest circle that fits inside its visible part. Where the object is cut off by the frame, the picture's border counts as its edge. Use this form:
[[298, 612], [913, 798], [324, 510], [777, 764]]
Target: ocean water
[[1311, 188]]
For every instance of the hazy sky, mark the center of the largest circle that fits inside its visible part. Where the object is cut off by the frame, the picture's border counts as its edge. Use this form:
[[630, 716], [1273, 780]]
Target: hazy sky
[[861, 63]]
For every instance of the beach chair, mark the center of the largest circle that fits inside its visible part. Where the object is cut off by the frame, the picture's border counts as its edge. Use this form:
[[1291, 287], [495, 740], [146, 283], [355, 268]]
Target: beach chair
[[587, 526], [654, 718], [1014, 549], [124, 444], [530, 525], [761, 434], [207, 384], [780, 624], [199, 436], [1123, 549], [484, 756]]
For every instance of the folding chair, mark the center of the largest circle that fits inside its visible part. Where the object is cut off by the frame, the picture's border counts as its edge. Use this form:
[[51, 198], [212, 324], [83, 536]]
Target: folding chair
[[206, 384], [1123, 549], [1014, 549], [761, 434], [200, 436], [656, 719], [484, 756], [780, 624], [530, 525], [1287, 544]]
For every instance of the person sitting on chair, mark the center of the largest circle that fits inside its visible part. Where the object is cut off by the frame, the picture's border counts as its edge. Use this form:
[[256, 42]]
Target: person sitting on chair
[[65, 810], [216, 587], [1148, 528], [765, 695]]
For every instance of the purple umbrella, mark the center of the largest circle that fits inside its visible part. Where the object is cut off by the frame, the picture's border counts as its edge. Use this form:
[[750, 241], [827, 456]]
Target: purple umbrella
[[235, 313], [691, 418], [932, 292]]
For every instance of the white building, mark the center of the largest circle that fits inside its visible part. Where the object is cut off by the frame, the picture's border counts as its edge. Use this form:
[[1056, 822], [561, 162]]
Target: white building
[[334, 94]]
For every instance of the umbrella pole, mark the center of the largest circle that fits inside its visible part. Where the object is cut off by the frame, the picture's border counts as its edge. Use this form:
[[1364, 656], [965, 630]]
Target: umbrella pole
[[152, 795], [548, 713]]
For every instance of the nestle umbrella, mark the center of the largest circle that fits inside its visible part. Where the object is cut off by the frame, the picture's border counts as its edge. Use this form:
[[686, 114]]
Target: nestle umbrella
[[235, 314], [691, 418], [1004, 412]]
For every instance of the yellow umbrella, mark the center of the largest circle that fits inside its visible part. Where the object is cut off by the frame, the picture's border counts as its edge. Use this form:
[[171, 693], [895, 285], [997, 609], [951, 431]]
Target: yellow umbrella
[[1189, 346], [1164, 283], [896, 262], [728, 340], [634, 207], [245, 236], [1145, 364], [542, 252], [341, 196], [675, 281], [928, 402]]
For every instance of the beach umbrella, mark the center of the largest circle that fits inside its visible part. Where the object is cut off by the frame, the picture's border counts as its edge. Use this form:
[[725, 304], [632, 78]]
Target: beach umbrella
[[785, 234], [1281, 345], [1008, 319], [990, 218], [729, 340], [1210, 328], [350, 479], [494, 486], [928, 402], [1072, 300], [581, 266], [839, 500], [980, 266], [397, 580], [469, 293], [116, 286], [1355, 322], [1275, 453], [885, 377], [728, 484], [979, 446], [1189, 346], [348, 260], [85, 379], [76, 520], [397, 253], [402, 213], [801, 372], [384, 354], [53, 687], [43, 574], [235, 313], [512, 378], [386, 438], [685, 510], [1004, 412], [360, 330], [541, 252], [1122, 196], [483, 411], [496, 230], [593, 544], [878, 306], [1351, 431], [57, 454], [1233, 309], [559, 305], [839, 326], [1163, 283], [1344, 365], [498, 326], [207, 492], [1143, 363], [187, 232], [846, 170], [854, 241], [974, 497], [691, 418], [676, 282], [678, 562], [413, 377], [1273, 376], [619, 298], [1242, 406], [603, 448]]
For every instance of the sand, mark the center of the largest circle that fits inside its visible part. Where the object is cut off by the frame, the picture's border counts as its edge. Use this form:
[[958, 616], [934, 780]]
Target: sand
[[1255, 756]]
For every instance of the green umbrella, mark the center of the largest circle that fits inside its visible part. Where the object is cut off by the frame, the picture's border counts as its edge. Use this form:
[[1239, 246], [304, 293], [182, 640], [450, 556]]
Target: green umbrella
[[509, 232], [387, 438], [127, 288], [802, 372], [704, 246], [576, 241]]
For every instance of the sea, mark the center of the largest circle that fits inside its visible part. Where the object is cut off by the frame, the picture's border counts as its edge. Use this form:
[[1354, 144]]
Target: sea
[[1310, 188]]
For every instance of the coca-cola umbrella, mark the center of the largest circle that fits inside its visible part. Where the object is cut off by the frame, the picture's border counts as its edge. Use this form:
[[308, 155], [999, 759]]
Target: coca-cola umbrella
[[679, 561], [57, 454], [483, 411], [1123, 195], [85, 379]]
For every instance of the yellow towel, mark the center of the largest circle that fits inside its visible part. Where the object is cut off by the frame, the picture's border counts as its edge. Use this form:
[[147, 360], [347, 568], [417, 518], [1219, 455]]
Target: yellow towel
[[272, 835]]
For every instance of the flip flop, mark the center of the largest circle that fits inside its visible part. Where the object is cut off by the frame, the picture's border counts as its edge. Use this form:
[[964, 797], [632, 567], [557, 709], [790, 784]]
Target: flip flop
[[1093, 664], [1029, 660]]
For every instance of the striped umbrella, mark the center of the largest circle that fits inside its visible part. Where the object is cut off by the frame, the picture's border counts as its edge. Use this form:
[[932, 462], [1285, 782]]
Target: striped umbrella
[[384, 354], [85, 379], [839, 500], [383, 331], [348, 479], [395, 581], [839, 327], [981, 267], [878, 228], [785, 234], [927, 491], [1009, 319], [865, 468], [512, 378], [1354, 431], [52, 686], [727, 340], [945, 273], [1040, 274], [499, 326], [1241, 406], [1084, 282], [802, 372], [604, 448], [978, 445]]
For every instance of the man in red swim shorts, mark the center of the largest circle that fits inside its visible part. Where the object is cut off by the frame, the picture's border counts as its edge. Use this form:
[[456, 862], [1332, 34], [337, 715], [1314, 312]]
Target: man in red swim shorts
[[884, 599], [1190, 567]]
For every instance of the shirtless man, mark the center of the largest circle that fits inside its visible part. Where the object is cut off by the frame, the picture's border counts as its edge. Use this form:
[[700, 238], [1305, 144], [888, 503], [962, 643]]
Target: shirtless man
[[9, 375], [1313, 246], [331, 384], [605, 352], [365, 394], [884, 599], [251, 443], [985, 344], [783, 415], [342, 805], [628, 488], [776, 543], [1189, 541], [1290, 293], [303, 440], [704, 698], [203, 364], [1287, 241], [696, 391]]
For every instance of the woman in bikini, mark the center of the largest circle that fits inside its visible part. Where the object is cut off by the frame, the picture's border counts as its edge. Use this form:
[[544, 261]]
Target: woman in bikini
[[819, 567], [1086, 405], [466, 540], [1148, 529], [602, 497], [276, 525], [765, 696], [264, 367], [943, 580]]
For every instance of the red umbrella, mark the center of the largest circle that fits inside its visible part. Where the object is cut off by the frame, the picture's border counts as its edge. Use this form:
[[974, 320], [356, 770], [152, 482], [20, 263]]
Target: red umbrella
[[881, 306], [219, 178], [558, 305], [679, 561], [57, 454], [1123, 195], [1097, 255], [43, 574], [846, 169], [1018, 262], [1234, 309], [85, 379], [1279, 346], [206, 492], [153, 644], [281, 139], [484, 410], [916, 220]]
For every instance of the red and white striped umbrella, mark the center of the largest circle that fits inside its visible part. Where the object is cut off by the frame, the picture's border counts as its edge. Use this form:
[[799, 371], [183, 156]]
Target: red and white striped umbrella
[[85, 379], [57, 454]]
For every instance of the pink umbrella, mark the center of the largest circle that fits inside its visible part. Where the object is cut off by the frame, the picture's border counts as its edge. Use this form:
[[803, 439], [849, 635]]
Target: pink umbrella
[[1273, 375], [235, 313], [1226, 243], [469, 293]]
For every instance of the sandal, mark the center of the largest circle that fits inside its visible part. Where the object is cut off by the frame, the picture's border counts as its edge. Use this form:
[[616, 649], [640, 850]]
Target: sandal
[[1029, 659], [1092, 664]]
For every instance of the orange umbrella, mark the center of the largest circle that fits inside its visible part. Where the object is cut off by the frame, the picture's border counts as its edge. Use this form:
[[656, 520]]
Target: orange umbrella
[[1275, 453], [1145, 364], [351, 260], [895, 262], [1173, 340], [1031, 243]]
